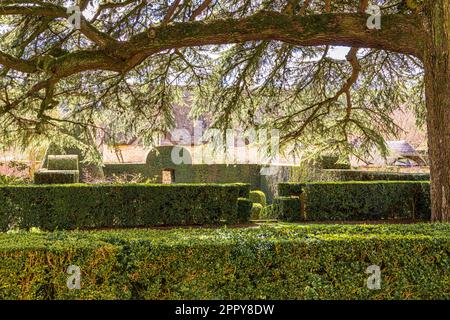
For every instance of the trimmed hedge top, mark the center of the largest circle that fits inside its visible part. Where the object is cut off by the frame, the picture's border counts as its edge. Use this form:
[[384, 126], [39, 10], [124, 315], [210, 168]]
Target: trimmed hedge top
[[366, 175], [118, 205]]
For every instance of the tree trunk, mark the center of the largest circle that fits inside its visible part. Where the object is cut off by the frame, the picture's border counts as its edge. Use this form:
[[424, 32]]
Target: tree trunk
[[437, 82]]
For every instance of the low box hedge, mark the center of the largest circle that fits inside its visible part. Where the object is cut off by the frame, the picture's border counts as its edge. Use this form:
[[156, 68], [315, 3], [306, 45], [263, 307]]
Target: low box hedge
[[362, 200], [273, 262], [45, 176], [96, 206]]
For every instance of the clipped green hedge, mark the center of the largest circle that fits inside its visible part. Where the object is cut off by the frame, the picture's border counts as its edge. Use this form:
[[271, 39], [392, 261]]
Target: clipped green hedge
[[287, 209], [45, 176], [62, 162], [160, 158], [362, 200], [273, 262], [244, 209], [287, 189], [363, 175], [95, 206]]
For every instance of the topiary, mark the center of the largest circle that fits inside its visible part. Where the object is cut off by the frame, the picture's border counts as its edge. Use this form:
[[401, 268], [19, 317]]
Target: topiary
[[257, 196], [256, 211]]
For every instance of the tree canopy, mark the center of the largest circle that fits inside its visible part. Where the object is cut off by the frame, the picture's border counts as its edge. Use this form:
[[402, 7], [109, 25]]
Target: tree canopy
[[265, 63]]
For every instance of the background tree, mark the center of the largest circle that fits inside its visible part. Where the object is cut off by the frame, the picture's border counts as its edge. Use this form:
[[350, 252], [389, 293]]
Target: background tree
[[263, 63]]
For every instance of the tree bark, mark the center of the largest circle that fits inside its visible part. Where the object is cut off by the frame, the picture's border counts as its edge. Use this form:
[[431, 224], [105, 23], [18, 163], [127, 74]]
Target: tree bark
[[437, 86]]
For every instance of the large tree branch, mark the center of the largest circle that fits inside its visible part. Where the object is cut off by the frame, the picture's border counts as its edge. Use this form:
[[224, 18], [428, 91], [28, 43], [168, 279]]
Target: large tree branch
[[399, 33], [17, 64]]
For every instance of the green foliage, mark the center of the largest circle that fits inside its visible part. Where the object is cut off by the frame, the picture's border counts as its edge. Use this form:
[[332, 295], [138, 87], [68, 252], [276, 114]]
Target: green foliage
[[160, 158], [89, 158], [62, 162], [53, 207], [328, 161], [304, 84], [257, 196], [44, 176], [363, 200], [311, 174], [287, 189], [14, 172], [256, 211], [287, 209], [244, 209], [5, 179], [281, 261]]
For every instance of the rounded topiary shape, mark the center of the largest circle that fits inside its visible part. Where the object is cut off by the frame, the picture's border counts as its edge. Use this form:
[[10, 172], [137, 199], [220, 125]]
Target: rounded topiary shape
[[256, 211], [257, 196]]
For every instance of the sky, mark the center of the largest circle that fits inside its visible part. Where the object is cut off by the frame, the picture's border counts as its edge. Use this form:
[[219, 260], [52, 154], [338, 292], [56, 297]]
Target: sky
[[339, 53]]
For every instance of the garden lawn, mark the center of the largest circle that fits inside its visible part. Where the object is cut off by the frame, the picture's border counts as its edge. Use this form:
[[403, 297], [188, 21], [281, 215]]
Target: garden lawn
[[273, 261]]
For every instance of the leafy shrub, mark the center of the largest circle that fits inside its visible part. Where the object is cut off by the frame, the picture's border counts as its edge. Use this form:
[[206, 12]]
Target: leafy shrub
[[256, 211], [45, 176], [95, 206], [327, 161], [257, 196], [362, 200], [273, 262], [244, 209], [4, 179], [14, 172]]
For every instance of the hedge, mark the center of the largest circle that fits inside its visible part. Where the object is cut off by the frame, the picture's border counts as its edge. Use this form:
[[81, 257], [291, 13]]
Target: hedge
[[62, 162], [362, 200], [273, 262], [44, 176], [287, 209], [95, 206], [256, 211], [160, 158], [244, 209], [257, 196], [363, 175], [86, 168]]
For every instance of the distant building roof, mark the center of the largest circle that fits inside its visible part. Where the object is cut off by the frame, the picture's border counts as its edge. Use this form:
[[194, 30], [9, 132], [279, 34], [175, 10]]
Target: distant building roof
[[401, 148]]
